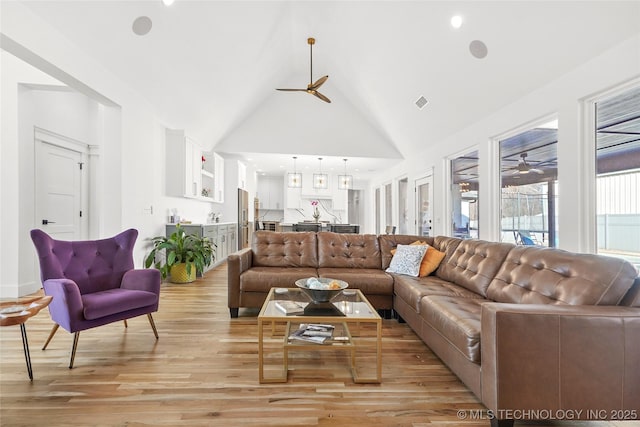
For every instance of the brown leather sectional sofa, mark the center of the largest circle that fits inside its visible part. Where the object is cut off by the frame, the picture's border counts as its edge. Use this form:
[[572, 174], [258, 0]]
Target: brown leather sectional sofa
[[535, 333]]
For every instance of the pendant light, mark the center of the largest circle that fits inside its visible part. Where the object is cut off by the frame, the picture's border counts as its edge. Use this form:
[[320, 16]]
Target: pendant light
[[345, 181], [294, 180], [320, 180]]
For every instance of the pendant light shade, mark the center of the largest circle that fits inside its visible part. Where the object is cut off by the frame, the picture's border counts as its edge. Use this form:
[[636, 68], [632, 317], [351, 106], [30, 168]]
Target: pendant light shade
[[294, 180], [320, 180], [345, 181]]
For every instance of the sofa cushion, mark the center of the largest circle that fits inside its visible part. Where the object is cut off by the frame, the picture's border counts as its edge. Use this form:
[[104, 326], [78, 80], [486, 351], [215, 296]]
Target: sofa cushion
[[369, 281], [474, 263], [261, 279], [413, 289], [294, 249], [348, 250], [407, 260], [535, 275], [457, 320], [632, 298], [112, 301]]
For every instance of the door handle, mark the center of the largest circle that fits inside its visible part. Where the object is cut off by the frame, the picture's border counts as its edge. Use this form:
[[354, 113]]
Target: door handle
[[46, 221]]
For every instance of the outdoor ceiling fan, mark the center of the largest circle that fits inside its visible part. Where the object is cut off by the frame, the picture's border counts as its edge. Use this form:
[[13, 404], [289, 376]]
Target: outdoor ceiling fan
[[524, 167], [312, 87]]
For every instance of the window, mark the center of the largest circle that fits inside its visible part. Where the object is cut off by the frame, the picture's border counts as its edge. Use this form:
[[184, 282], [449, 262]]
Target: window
[[529, 186], [403, 206], [377, 197], [424, 196], [618, 175], [388, 206], [464, 196]]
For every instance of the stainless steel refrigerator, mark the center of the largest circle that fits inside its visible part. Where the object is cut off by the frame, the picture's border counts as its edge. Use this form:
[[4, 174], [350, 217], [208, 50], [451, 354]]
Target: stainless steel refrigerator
[[243, 219]]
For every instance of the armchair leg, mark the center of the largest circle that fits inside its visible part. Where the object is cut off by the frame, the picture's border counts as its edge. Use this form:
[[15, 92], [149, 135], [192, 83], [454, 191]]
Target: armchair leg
[[51, 334], [153, 325], [125, 323], [73, 349]]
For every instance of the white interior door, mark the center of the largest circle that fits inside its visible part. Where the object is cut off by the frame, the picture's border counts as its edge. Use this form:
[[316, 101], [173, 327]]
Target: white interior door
[[58, 182], [424, 203]]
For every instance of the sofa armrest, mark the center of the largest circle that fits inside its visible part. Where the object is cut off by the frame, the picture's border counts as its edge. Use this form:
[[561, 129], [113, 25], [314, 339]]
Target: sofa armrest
[[147, 279], [237, 263], [66, 307], [582, 359]]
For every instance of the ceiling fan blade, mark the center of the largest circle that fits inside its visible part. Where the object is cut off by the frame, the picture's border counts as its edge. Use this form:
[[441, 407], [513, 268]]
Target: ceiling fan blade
[[293, 90], [321, 96], [318, 83]]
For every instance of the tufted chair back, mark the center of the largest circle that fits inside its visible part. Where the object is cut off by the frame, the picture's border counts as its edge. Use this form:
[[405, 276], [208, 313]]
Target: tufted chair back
[[95, 265], [534, 275]]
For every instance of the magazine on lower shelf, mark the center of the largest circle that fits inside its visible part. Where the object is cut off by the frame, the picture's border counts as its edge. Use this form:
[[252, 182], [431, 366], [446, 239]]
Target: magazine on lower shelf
[[313, 332]]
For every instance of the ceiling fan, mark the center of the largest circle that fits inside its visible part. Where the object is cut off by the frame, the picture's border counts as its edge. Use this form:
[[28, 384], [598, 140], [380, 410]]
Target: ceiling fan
[[524, 167], [312, 87]]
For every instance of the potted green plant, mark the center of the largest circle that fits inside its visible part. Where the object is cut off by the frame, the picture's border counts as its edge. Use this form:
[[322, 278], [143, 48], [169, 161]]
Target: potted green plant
[[184, 255]]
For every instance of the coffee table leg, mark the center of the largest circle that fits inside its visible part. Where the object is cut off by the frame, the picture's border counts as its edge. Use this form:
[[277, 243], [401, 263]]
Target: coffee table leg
[[260, 353], [283, 377], [379, 351], [25, 347]]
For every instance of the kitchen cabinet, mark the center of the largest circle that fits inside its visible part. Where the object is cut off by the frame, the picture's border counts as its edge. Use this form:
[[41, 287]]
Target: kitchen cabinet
[[183, 165], [224, 236], [189, 176], [270, 192], [242, 175], [212, 173]]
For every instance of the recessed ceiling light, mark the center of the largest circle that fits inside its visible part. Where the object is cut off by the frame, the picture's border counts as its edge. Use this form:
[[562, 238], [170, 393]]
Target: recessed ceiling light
[[456, 21], [142, 25], [168, 2]]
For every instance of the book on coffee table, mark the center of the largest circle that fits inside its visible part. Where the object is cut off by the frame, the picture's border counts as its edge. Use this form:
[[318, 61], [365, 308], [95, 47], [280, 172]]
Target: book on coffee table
[[290, 307]]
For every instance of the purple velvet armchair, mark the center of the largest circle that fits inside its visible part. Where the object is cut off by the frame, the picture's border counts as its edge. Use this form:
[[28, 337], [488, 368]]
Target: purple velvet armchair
[[93, 283]]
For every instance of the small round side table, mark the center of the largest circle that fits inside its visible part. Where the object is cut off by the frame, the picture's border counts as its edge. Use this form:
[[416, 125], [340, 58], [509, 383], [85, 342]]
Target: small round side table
[[17, 313]]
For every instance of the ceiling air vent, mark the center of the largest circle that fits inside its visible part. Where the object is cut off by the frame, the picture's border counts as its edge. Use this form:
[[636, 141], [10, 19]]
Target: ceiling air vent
[[421, 102]]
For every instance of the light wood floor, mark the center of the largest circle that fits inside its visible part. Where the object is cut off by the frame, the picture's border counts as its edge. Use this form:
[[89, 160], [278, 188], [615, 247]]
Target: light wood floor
[[203, 372]]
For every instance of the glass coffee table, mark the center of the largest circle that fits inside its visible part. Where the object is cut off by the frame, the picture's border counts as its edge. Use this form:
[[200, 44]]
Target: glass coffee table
[[349, 316]]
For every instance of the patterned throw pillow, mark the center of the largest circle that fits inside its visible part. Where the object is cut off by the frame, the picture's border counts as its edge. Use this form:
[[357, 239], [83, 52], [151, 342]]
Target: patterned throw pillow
[[407, 260], [431, 260]]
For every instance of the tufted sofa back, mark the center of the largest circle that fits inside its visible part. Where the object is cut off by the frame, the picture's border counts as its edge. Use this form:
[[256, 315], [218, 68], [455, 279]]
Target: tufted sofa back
[[348, 250], [533, 275], [293, 249], [94, 265], [473, 264]]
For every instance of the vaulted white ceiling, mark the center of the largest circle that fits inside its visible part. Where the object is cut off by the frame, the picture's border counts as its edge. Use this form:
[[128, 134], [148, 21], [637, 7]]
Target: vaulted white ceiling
[[211, 67]]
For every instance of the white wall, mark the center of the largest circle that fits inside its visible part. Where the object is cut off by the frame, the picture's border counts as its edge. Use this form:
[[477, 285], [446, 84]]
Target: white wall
[[63, 112], [12, 223], [564, 97], [128, 173]]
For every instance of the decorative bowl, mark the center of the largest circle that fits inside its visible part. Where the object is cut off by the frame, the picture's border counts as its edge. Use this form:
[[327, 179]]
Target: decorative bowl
[[321, 289]]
